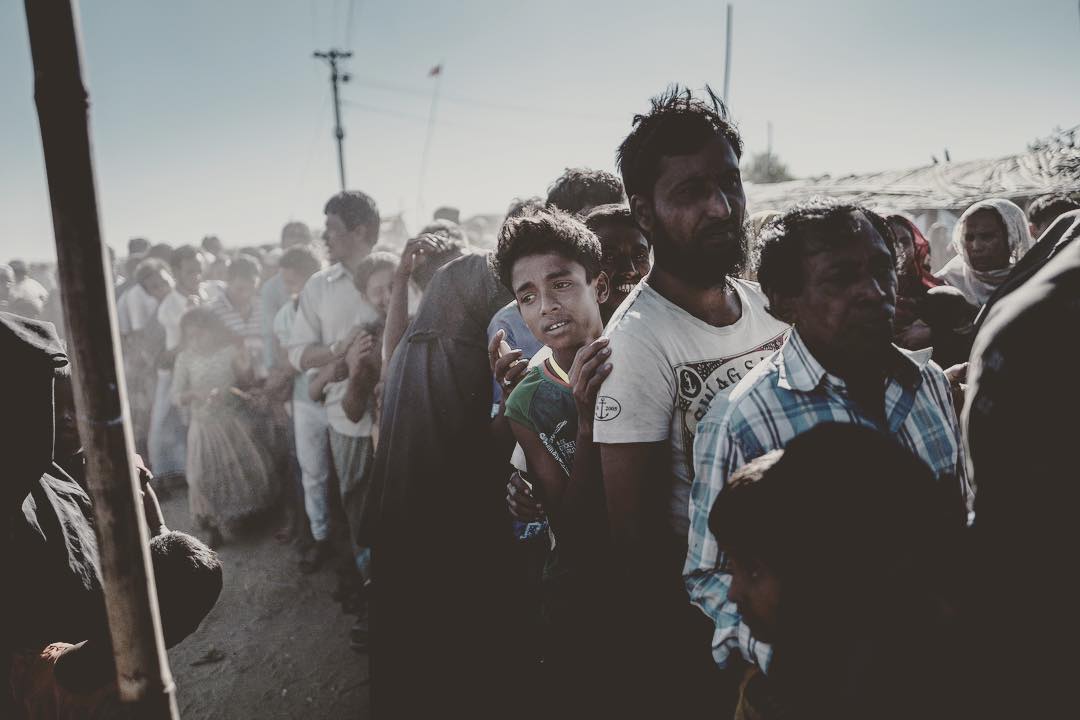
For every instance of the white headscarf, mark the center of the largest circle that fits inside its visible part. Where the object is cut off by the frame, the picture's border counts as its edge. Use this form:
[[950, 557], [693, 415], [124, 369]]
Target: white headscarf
[[978, 285]]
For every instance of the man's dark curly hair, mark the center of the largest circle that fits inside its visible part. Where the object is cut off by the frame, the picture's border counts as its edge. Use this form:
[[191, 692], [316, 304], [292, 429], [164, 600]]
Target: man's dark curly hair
[[356, 209], [823, 221], [610, 215], [1045, 209], [579, 189], [545, 230], [678, 123]]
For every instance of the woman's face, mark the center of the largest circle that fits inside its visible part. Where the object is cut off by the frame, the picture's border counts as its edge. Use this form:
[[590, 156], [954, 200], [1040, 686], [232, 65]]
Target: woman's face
[[985, 241], [905, 245]]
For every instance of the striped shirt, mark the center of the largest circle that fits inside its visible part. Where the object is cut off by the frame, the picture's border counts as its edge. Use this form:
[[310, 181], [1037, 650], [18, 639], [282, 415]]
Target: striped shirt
[[248, 327], [783, 396]]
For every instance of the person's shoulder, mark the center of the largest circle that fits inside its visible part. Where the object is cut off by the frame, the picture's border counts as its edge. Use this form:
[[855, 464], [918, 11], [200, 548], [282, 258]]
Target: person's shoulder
[[320, 279], [502, 318], [954, 266], [638, 319], [173, 303], [757, 304], [759, 383], [520, 399]]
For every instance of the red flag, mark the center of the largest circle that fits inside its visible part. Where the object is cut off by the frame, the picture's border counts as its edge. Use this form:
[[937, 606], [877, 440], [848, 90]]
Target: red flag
[[437, 70]]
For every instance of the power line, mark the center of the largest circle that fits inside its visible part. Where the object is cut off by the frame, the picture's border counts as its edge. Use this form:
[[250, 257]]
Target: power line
[[461, 100], [349, 24]]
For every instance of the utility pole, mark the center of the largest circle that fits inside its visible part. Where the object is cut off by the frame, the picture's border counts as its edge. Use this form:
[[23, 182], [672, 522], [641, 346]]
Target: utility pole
[[332, 57]]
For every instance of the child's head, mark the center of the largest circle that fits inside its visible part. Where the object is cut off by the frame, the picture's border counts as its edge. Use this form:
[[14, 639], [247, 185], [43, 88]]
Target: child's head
[[843, 520], [242, 280], [374, 279], [188, 578], [749, 546], [625, 258], [203, 330], [551, 262], [297, 264]]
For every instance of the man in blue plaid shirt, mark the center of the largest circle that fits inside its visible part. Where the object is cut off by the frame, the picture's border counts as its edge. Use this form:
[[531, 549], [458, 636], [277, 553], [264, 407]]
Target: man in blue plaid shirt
[[830, 270]]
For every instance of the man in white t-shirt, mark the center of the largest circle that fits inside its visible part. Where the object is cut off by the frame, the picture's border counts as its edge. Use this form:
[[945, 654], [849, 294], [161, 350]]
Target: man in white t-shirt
[[679, 343]]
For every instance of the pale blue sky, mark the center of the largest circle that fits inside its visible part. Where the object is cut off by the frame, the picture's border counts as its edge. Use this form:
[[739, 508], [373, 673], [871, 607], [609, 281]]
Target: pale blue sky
[[210, 116]]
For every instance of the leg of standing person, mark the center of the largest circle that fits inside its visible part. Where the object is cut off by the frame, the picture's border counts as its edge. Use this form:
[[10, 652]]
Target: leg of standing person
[[168, 433], [313, 454], [352, 463]]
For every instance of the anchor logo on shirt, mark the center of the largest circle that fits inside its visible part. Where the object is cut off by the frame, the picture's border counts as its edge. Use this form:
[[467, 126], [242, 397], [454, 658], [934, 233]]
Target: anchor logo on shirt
[[607, 408]]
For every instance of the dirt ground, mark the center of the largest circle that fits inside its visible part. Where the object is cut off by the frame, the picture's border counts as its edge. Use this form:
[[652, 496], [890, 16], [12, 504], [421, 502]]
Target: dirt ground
[[282, 641]]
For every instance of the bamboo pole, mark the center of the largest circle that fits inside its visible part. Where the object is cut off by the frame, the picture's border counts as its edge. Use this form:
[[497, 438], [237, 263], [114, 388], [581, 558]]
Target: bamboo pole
[[87, 290]]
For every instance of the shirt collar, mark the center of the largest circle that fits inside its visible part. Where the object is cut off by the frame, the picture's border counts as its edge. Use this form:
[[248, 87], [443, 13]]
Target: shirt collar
[[800, 370], [336, 272]]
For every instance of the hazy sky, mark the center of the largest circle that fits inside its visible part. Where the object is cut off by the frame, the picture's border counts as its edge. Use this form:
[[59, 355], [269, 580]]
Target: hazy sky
[[211, 116]]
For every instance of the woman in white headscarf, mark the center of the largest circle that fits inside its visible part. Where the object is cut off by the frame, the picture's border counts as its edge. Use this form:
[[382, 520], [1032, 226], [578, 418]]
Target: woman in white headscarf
[[989, 238]]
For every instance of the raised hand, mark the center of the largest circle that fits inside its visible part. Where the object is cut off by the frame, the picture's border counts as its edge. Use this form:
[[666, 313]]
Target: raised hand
[[507, 366]]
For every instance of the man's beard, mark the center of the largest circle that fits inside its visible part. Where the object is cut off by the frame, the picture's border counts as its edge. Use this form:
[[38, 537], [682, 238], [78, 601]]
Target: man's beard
[[703, 262]]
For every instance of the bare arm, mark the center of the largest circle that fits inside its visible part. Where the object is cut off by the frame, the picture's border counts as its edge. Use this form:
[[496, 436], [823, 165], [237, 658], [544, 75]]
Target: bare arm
[[636, 494], [317, 356], [415, 253], [333, 372], [397, 315]]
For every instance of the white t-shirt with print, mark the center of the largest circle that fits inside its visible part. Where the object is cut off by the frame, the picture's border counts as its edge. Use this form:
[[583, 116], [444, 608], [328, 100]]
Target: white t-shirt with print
[[668, 367]]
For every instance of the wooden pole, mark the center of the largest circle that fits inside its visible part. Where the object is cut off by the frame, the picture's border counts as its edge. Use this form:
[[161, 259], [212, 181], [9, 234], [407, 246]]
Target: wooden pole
[[104, 424]]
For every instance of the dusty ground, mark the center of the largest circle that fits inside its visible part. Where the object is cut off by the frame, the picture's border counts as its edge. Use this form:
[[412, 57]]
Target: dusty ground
[[282, 640]]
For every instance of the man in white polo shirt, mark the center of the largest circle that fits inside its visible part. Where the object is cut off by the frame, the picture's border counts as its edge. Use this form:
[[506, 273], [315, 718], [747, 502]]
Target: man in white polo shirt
[[330, 315]]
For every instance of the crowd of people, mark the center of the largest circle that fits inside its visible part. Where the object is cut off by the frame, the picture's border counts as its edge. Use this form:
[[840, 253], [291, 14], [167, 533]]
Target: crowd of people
[[649, 455]]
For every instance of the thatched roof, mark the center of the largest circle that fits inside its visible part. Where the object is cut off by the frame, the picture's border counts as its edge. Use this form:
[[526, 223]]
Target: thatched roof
[[1051, 165]]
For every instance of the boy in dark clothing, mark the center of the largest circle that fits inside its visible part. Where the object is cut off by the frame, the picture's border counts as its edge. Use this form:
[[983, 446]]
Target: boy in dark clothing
[[552, 264]]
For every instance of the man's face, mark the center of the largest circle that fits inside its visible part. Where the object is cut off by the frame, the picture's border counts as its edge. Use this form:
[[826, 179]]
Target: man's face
[[559, 306], [378, 290], [241, 291], [625, 260], [695, 216], [848, 300], [340, 241], [157, 286], [190, 275], [985, 241], [756, 590]]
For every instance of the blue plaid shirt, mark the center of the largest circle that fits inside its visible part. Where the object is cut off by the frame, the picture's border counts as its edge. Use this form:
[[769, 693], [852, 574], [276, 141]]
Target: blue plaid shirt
[[783, 396]]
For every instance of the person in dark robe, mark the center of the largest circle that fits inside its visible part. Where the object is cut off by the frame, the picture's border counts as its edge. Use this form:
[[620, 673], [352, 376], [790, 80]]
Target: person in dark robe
[[435, 513], [1054, 239], [48, 551], [1021, 436]]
